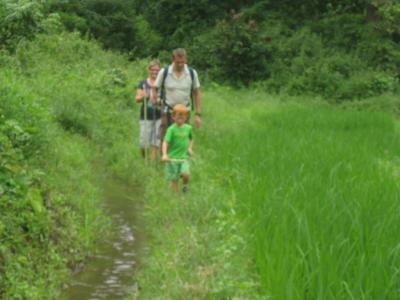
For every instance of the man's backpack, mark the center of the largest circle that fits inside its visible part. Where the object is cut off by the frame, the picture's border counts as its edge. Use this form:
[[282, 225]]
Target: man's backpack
[[165, 74]]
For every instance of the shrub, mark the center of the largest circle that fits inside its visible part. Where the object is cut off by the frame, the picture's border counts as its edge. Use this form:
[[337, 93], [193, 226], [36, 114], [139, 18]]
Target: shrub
[[235, 51], [366, 84], [304, 63], [23, 20]]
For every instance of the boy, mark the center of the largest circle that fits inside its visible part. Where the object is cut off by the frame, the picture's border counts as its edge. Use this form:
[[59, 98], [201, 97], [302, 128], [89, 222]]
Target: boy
[[177, 147]]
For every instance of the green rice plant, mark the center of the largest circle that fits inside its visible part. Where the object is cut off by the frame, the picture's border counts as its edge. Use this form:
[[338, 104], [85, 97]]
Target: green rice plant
[[321, 210], [291, 198]]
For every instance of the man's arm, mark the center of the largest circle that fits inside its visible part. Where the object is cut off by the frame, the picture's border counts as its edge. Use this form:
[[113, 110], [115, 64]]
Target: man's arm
[[197, 107], [156, 87]]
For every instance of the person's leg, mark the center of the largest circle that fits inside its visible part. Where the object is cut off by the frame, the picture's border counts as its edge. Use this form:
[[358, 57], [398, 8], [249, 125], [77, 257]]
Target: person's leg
[[163, 125], [154, 153], [185, 178], [142, 138], [185, 174], [154, 140], [172, 172], [175, 186], [185, 181]]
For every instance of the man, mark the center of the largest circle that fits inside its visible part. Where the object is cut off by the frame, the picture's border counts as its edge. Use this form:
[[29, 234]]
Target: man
[[177, 86]]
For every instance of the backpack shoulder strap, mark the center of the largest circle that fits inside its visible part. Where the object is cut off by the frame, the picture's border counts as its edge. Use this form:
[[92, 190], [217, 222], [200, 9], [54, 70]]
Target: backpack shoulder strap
[[145, 85]]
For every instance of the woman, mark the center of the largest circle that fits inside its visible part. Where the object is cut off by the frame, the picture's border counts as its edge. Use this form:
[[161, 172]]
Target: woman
[[150, 114]]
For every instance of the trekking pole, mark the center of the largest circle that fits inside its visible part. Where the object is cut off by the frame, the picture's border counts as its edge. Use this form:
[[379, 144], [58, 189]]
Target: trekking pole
[[177, 160], [146, 142], [154, 130]]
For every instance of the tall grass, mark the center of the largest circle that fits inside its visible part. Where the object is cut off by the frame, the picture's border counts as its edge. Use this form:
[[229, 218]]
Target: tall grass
[[319, 191], [291, 198]]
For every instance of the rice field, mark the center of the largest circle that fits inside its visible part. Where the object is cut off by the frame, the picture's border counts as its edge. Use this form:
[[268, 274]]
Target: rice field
[[319, 190], [290, 199]]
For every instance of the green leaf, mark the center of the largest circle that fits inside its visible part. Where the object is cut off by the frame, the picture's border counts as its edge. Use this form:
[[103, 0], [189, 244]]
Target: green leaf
[[1, 228], [36, 200]]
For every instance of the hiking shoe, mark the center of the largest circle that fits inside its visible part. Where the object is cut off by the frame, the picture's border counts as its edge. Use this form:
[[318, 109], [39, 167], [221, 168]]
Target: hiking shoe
[[185, 189]]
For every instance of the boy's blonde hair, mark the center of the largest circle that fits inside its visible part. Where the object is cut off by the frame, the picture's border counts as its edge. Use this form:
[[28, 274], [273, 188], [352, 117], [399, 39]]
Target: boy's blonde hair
[[180, 109]]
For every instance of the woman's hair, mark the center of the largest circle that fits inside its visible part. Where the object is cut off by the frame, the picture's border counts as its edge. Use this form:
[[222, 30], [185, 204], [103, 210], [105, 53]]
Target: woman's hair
[[154, 62]]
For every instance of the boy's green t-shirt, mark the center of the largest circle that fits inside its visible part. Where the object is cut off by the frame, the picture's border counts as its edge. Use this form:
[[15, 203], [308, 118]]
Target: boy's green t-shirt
[[178, 140]]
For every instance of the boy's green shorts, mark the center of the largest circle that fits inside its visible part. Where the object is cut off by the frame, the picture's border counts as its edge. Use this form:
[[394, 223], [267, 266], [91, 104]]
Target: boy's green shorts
[[174, 170]]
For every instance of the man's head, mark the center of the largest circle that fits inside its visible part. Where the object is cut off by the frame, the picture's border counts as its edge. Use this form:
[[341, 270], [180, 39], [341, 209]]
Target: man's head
[[179, 58], [180, 114]]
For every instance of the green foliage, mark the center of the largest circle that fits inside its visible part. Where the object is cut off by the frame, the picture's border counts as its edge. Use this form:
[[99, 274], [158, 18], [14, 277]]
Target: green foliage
[[179, 21], [114, 23], [382, 54], [147, 42], [297, 211], [309, 214], [63, 114], [23, 138], [253, 42], [389, 12], [230, 42], [307, 61], [23, 20]]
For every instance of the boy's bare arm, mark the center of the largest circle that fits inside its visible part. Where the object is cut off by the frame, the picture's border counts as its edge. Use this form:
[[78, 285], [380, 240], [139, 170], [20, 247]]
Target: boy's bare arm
[[164, 151], [190, 149]]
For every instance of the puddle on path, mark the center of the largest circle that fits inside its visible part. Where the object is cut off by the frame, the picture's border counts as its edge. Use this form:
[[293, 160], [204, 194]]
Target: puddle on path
[[109, 274]]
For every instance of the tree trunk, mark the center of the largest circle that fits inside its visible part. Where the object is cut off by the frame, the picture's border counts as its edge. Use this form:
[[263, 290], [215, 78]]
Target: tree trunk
[[372, 15]]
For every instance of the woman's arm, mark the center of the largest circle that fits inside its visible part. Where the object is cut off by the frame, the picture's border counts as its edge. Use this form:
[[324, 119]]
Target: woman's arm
[[140, 95]]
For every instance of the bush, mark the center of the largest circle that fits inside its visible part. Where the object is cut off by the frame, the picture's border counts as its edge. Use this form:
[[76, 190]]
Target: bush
[[63, 109], [21, 20], [380, 52], [365, 84], [303, 63], [235, 51], [148, 41]]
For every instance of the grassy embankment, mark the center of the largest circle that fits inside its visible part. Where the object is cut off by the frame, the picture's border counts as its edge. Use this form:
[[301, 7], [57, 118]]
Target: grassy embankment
[[290, 200], [65, 123]]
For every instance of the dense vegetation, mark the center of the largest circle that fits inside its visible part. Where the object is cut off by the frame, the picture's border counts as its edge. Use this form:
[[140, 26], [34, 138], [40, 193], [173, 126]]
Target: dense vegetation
[[67, 122], [340, 49], [291, 199], [64, 126]]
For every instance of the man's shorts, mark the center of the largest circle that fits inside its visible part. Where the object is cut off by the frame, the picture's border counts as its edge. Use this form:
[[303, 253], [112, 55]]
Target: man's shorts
[[174, 170], [149, 133]]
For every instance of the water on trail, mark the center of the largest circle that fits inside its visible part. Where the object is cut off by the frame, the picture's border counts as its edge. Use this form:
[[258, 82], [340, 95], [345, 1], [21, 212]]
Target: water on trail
[[109, 273]]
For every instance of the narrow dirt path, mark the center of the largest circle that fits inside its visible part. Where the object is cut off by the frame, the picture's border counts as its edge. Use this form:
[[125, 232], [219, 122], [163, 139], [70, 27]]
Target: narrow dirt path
[[109, 274]]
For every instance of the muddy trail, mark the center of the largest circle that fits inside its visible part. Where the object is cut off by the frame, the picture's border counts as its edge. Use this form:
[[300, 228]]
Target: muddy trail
[[109, 273]]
